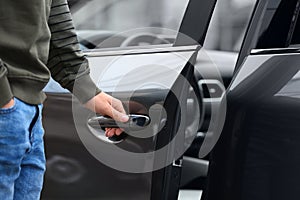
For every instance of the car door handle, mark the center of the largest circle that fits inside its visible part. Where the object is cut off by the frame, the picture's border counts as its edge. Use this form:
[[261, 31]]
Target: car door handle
[[136, 122]]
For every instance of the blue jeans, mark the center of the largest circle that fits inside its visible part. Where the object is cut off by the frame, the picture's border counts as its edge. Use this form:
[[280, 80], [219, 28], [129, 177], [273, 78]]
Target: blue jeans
[[22, 157]]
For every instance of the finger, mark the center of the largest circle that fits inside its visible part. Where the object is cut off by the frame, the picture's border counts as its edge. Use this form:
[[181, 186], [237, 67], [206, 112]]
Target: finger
[[109, 133], [118, 131], [107, 130], [117, 105], [116, 115]]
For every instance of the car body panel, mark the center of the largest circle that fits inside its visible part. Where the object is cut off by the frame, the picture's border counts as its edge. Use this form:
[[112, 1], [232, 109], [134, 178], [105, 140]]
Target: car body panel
[[257, 154], [146, 80], [145, 91]]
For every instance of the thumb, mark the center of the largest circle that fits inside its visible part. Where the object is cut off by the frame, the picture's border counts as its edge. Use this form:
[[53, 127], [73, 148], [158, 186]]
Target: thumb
[[118, 116]]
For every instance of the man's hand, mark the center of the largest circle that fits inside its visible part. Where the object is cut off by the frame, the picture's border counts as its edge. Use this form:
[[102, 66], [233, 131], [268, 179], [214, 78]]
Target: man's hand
[[10, 104], [105, 104]]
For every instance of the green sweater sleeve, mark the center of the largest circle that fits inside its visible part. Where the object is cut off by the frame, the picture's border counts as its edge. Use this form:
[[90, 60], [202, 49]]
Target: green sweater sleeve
[[6, 93], [66, 62]]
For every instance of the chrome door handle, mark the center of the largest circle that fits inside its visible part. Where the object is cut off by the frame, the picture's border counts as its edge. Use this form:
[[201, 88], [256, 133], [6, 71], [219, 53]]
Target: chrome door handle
[[136, 122]]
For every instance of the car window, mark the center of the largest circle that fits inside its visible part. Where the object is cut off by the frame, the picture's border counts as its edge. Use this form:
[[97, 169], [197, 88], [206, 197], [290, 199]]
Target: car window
[[229, 23], [278, 24], [98, 20], [226, 33]]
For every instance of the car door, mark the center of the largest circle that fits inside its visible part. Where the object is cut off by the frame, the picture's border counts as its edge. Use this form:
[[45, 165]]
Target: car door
[[154, 84], [257, 154]]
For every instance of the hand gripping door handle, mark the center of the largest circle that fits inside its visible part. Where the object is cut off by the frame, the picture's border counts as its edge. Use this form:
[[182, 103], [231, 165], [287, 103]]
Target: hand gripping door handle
[[136, 122]]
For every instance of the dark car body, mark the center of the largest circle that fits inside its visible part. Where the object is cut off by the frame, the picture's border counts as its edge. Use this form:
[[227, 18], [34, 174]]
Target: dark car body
[[257, 155]]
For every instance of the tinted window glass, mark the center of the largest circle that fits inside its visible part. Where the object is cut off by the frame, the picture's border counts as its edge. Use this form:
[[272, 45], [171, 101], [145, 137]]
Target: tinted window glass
[[277, 24], [97, 20]]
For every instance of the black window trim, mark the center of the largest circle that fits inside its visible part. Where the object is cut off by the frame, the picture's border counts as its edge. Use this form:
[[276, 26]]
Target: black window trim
[[289, 50], [135, 51], [250, 39], [252, 32]]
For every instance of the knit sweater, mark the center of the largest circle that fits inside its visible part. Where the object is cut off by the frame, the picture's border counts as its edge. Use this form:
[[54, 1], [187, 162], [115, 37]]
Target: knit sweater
[[37, 39]]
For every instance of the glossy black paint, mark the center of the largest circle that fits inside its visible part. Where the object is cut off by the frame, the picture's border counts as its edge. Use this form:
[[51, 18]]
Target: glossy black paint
[[257, 156]]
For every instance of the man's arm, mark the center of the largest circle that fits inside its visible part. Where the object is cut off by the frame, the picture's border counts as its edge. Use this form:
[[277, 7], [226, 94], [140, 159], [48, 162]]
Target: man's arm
[[68, 64], [66, 61], [6, 99]]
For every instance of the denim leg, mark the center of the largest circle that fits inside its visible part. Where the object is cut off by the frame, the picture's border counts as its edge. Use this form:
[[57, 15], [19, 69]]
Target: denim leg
[[30, 182], [13, 145], [16, 148]]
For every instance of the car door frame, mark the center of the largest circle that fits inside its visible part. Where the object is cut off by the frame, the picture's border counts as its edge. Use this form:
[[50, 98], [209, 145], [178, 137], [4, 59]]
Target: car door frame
[[191, 32]]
